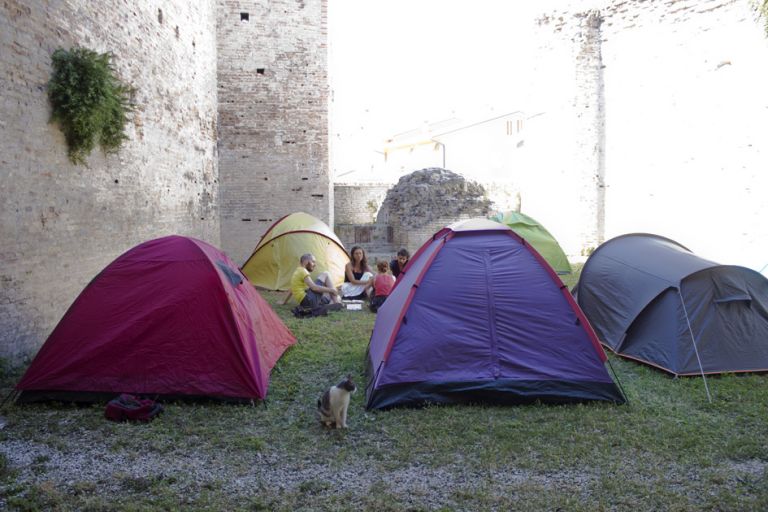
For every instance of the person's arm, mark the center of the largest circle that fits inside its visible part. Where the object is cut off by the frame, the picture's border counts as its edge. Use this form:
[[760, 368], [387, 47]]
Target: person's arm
[[351, 275], [394, 267], [287, 297]]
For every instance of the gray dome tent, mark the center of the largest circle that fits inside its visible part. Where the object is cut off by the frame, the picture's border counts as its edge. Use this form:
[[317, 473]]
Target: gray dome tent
[[652, 300]]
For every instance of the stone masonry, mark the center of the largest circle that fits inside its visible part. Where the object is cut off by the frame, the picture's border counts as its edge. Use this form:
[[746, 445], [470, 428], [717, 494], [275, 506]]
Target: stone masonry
[[423, 202], [654, 125], [649, 117], [686, 117], [358, 203], [356, 206], [61, 224], [273, 108]]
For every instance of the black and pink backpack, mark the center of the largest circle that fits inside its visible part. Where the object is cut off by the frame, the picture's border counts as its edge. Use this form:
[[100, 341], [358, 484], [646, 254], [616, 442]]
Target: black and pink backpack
[[132, 408]]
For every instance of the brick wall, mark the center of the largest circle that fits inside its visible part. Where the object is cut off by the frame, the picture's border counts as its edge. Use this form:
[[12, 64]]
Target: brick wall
[[60, 224], [647, 116], [273, 108], [358, 203]]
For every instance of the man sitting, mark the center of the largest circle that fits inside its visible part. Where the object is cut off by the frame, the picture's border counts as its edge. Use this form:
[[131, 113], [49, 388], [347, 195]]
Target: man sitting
[[398, 264], [310, 293]]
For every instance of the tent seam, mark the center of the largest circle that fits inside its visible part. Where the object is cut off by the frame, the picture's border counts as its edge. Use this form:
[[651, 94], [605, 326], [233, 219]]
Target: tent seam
[[491, 317]]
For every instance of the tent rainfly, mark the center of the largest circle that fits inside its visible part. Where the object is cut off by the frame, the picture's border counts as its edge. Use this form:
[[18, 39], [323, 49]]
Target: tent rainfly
[[652, 300], [535, 234], [277, 254], [172, 317], [480, 317]]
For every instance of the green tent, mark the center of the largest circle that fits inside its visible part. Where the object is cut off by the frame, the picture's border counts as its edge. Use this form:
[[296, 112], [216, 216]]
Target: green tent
[[536, 235]]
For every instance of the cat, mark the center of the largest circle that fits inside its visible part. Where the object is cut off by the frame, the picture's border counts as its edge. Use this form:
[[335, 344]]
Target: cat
[[332, 406]]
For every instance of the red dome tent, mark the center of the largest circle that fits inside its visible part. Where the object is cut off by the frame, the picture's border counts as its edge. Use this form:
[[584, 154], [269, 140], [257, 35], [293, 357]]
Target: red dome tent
[[170, 317]]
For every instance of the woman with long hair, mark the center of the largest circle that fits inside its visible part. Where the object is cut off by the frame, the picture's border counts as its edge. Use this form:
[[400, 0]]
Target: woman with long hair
[[358, 278]]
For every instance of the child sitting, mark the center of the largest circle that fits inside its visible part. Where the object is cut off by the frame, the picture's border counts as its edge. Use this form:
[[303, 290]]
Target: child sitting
[[382, 285]]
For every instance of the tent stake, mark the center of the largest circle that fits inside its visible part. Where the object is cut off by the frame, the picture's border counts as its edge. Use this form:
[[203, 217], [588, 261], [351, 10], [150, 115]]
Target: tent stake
[[695, 349]]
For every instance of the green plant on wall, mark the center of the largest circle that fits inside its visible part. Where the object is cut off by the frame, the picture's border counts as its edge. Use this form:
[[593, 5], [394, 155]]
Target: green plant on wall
[[373, 208], [89, 103], [761, 7]]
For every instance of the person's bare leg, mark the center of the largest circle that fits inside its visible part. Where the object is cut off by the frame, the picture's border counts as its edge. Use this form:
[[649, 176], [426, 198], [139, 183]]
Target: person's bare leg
[[325, 277]]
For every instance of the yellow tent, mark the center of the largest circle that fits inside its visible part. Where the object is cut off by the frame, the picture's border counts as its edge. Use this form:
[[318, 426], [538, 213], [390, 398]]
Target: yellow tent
[[279, 250]]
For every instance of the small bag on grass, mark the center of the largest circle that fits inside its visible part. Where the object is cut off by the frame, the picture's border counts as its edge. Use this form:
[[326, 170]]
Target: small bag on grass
[[132, 408], [321, 310]]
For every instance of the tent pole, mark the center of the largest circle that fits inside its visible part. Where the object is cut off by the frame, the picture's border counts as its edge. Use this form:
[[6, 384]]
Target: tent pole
[[695, 349], [617, 380]]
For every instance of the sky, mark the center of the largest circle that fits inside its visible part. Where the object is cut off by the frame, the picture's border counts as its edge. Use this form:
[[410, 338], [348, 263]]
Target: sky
[[397, 64]]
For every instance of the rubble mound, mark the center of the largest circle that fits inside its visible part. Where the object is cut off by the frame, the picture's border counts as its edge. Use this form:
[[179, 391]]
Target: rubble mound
[[423, 196]]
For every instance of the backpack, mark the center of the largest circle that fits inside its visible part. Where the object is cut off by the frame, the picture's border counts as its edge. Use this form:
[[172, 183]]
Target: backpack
[[132, 408], [321, 310], [376, 302]]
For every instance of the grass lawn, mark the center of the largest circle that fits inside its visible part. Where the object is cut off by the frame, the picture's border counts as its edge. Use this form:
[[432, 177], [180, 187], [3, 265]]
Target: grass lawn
[[668, 449]]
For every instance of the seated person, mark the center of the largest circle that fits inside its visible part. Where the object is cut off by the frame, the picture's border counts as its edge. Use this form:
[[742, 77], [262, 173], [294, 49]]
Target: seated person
[[382, 285], [310, 293], [358, 278], [398, 264]]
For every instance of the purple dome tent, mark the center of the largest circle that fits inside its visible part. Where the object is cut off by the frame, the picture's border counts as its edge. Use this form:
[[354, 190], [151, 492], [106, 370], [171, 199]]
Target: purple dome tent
[[479, 316]]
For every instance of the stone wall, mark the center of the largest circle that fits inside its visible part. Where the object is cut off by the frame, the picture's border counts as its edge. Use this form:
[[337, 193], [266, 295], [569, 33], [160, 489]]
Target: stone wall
[[653, 113], [562, 159], [425, 201], [686, 118], [358, 203], [60, 224], [357, 207], [645, 116], [273, 103], [504, 196]]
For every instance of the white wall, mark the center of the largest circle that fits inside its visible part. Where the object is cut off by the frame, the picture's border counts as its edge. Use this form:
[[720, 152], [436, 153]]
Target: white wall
[[686, 123]]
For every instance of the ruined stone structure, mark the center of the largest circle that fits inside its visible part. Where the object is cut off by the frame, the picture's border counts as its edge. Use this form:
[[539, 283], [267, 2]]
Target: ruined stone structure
[[650, 114], [643, 116], [548, 161], [273, 108], [653, 122], [61, 224], [685, 118], [356, 206], [213, 155], [423, 202], [358, 203]]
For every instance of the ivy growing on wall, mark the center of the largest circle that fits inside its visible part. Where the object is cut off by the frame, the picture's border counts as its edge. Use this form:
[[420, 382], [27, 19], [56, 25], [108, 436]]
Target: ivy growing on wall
[[89, 102], [761, 6]]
